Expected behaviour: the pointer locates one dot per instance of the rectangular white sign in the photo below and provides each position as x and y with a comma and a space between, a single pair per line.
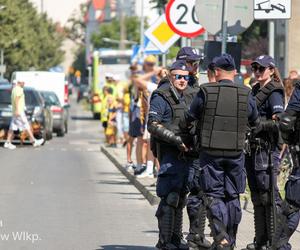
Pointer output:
272, 9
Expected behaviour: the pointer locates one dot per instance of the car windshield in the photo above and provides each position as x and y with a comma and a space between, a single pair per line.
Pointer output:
50, 98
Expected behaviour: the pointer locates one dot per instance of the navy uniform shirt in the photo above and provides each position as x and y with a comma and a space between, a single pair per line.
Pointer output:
273, 105
197, 105
160, 110
294, 103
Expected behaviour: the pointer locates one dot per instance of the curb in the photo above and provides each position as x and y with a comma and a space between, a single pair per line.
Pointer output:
152, 199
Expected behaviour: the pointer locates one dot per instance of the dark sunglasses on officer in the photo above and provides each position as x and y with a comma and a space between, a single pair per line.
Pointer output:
185, 77
259, 68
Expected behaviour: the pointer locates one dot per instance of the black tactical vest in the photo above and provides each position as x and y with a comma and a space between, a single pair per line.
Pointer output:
224, 120
264, 92
178, 106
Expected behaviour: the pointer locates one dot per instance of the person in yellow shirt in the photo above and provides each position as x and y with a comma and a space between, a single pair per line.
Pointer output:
19, 120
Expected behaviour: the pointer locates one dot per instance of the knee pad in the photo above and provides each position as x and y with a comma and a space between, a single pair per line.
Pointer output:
173, 199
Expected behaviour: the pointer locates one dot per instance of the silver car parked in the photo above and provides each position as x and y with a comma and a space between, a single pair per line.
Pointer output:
60, 117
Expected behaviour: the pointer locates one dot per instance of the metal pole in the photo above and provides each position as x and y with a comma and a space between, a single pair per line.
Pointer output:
122, 27
271, 38
224, 26
189, 42
2, 62
183, 41
142, 30
164, 60
42, 6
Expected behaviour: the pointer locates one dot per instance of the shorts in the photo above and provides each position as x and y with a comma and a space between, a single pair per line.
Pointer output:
19, 123
125, 122
135, 128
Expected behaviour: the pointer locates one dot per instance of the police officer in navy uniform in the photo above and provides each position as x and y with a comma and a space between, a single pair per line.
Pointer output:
167, 106
223, 110
288, 219
195, 206
269, 94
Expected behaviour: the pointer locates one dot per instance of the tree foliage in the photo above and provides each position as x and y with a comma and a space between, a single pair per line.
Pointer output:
112, 30
29, 40
76, 31
159, 5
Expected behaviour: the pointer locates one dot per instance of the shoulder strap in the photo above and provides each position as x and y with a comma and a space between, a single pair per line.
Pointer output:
266, 91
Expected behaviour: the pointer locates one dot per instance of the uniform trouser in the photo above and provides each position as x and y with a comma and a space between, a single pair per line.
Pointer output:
259, 176
290, 216
172, 189
195, 202
222, 180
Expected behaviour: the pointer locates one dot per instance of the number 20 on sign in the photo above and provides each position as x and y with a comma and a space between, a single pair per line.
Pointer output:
182, 18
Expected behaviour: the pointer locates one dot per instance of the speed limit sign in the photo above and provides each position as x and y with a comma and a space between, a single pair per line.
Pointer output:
182, 19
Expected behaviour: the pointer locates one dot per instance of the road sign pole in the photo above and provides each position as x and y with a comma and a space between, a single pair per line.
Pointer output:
224, 25
142, 30
2, 62
271, 38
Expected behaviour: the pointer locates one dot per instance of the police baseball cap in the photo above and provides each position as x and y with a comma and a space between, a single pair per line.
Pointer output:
188, 53
265, 61
225, 62
179, 65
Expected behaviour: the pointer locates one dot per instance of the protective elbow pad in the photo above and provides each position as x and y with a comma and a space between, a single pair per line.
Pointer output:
163, 134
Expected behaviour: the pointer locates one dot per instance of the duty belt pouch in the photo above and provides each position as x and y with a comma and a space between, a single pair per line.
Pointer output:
292, 189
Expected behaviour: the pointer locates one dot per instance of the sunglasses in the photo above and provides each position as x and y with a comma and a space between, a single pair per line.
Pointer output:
185, 77
260, 69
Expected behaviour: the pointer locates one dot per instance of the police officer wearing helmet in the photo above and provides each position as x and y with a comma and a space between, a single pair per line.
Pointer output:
167, 106
192, 58
269, 94
289, 124
195, 205
223, 110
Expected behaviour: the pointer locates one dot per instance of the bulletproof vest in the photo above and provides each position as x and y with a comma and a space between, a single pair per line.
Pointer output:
178, 106
264, 92
224, 118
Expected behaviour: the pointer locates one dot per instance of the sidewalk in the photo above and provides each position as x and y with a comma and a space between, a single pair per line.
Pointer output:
146, 187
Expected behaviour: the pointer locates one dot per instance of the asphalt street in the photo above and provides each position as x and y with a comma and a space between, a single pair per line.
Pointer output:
67, 195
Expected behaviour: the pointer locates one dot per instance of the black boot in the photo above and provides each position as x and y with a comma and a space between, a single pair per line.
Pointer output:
177, 237
166, 219
260, 240
196, 238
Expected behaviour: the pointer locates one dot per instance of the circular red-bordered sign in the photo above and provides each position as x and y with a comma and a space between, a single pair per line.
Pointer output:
182, 19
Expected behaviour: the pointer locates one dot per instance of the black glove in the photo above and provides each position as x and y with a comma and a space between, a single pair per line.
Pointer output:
287, 127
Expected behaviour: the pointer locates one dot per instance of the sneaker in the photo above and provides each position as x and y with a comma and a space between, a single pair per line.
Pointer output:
140, 170
9, 145
38, 143
145, 174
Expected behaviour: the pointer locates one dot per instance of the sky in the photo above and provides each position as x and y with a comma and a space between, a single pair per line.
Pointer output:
61, 10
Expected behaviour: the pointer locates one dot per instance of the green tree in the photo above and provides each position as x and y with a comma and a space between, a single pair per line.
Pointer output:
112, 31
29, 40
160, 5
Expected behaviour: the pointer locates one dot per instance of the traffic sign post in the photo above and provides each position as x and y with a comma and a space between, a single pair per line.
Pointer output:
182, 19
